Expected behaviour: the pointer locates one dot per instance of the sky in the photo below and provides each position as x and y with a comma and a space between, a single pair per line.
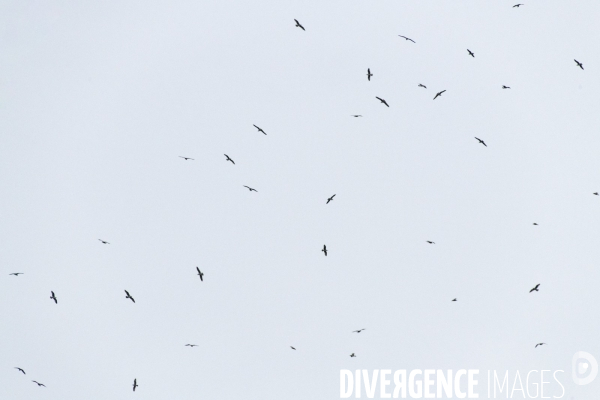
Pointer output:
98, 101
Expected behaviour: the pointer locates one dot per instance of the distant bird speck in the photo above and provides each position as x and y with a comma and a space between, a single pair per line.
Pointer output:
518, 5
540, 344
430, 242
292, 347
192, 345
536, 288
596, 193
438, 94
580, 65
259, 129
103, 241
128, 296
382, 100
186, 158
423, 86
39, 384
407, 38
200, 274
21, 369
356, 115
359, 330
53, 297
471, 53
369, 74
505, 87
324, 250
298, 25
454, 299
481, 141
329, 199
251, 189
352, 355
229, 159
135, 384
535, 223
16, 273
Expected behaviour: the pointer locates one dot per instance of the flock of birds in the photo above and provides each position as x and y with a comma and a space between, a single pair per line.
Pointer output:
324, 249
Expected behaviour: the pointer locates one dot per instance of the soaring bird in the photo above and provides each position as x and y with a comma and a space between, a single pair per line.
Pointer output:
454, 299
200, 274
540, 344
356, 115
481, 141
298, 25
579, 64
369, 74
518, 5
329, 199
21, 369
186, 158
407, 38
438, 94
382, 100
128, 296
251, 189
535, 288
430, 242
292, 347
471, 53
596, 193
17, 273
103, 241
359, 330
324, 250
259, 129
229, 159
423, 86
39, 384
505, 87
53, 297
352, 355
135, 384
192, 345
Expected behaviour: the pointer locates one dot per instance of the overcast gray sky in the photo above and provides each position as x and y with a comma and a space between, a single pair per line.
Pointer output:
98, 100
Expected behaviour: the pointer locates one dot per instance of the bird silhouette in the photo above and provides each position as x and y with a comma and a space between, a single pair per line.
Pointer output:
186, 158
259, 129
430, 242
298, 25
200, 274
423, 86
540, 344
21, 369
16, 273
518, 5
356, 115
407, 38
454, 299
135, 384
471, 53
481, 141
596, 193
359, 330
382, 100
329, 199
128, 296
580, 65
369, 74
438, 94
53, 297
535, 223
352, 355
251, 189
39, 384
103, 241
324, 250
292, 347
229, 159
505, 87
192, 345
536, 288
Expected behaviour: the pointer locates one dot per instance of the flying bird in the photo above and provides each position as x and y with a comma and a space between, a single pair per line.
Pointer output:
329, 199
369, 74
298, 25
454, 299
423, 86
430, 242
356, 115
21, 369
580, 65
259, 129
481, 141
229, 159
128, 296
103, 241
352, 355
535, 288
200, 274
596, 193
471, 53
359, 330
540, 344
251, 189
535, 223
17, 273
292, 347
382, 100
505, 87
324, 250
39, 384
438, 94
518, 5
53, 297
135, 384
192, 345
186, 158
407, 38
